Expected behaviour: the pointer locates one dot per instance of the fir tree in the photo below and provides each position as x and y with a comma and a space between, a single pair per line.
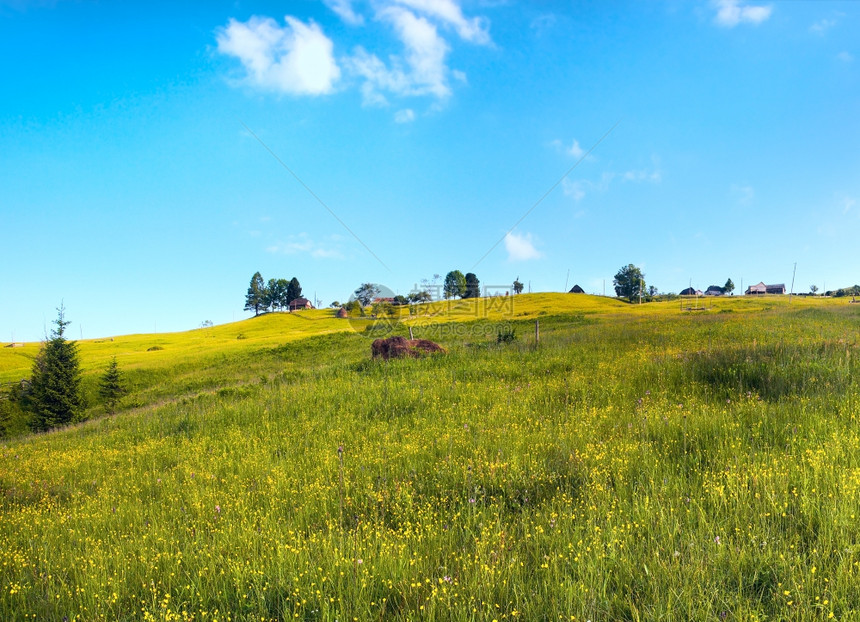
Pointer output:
255, 299
55, 387
112, 386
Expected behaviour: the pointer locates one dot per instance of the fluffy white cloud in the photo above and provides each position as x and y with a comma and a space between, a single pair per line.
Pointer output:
423, 71
521, 247
344, 9
449, 13
425, 51
297, 58
404, 116
730, 13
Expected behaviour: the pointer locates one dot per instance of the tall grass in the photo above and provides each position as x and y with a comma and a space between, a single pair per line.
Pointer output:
633, 466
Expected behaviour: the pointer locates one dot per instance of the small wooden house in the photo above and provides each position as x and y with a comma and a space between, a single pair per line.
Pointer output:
342, 313
691, 292
300, 303
714, 290
576, 289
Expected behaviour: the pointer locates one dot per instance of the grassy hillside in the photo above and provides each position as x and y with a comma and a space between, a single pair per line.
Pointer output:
641, 463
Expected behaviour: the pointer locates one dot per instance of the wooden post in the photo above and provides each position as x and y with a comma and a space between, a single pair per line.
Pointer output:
537, 332
410, 334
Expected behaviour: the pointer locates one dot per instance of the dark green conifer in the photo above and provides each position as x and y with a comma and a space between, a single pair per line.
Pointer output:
112, 386
55, 387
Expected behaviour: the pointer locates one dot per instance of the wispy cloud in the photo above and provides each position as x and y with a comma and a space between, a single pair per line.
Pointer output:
730, 13
574, 150
822, 26
296, 59
521, 247
302, 244
423, 71
580, 188
475, 29
845, 57
404, 116
345, 11
652, 175
742, 193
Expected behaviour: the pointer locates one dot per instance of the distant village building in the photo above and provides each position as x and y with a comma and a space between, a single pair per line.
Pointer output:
691, 292
576, 289
300, 303
714, 290
760, 289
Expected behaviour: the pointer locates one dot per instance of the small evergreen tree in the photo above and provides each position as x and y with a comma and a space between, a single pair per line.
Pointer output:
112, 386
55, 387
473, 286
518, 287
294, 290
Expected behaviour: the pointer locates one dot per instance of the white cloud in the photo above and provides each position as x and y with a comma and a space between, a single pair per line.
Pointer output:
296, 59
303, 244
424, 70
425, 51
575, 150
845, 57
404, 116
822, 26
575, 189
653, 175
848, 204
345, 11
449, 13
579, 188
730, 13
521, 247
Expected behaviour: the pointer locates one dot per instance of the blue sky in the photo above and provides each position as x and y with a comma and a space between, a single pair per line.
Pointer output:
132, 190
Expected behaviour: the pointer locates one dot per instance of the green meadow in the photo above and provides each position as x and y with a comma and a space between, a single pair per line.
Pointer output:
641, 462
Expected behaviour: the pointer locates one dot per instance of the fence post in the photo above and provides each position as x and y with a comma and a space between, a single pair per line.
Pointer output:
410, 334
537, 332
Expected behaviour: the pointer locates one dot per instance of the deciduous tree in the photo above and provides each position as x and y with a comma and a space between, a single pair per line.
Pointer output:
366, 292
455, 284
629, 282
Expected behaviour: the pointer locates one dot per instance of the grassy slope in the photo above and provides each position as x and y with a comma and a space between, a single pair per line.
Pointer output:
643, 463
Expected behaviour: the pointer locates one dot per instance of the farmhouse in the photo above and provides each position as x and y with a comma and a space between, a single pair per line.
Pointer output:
300, 303
714, 290
761, 288
691, 292
576, 289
